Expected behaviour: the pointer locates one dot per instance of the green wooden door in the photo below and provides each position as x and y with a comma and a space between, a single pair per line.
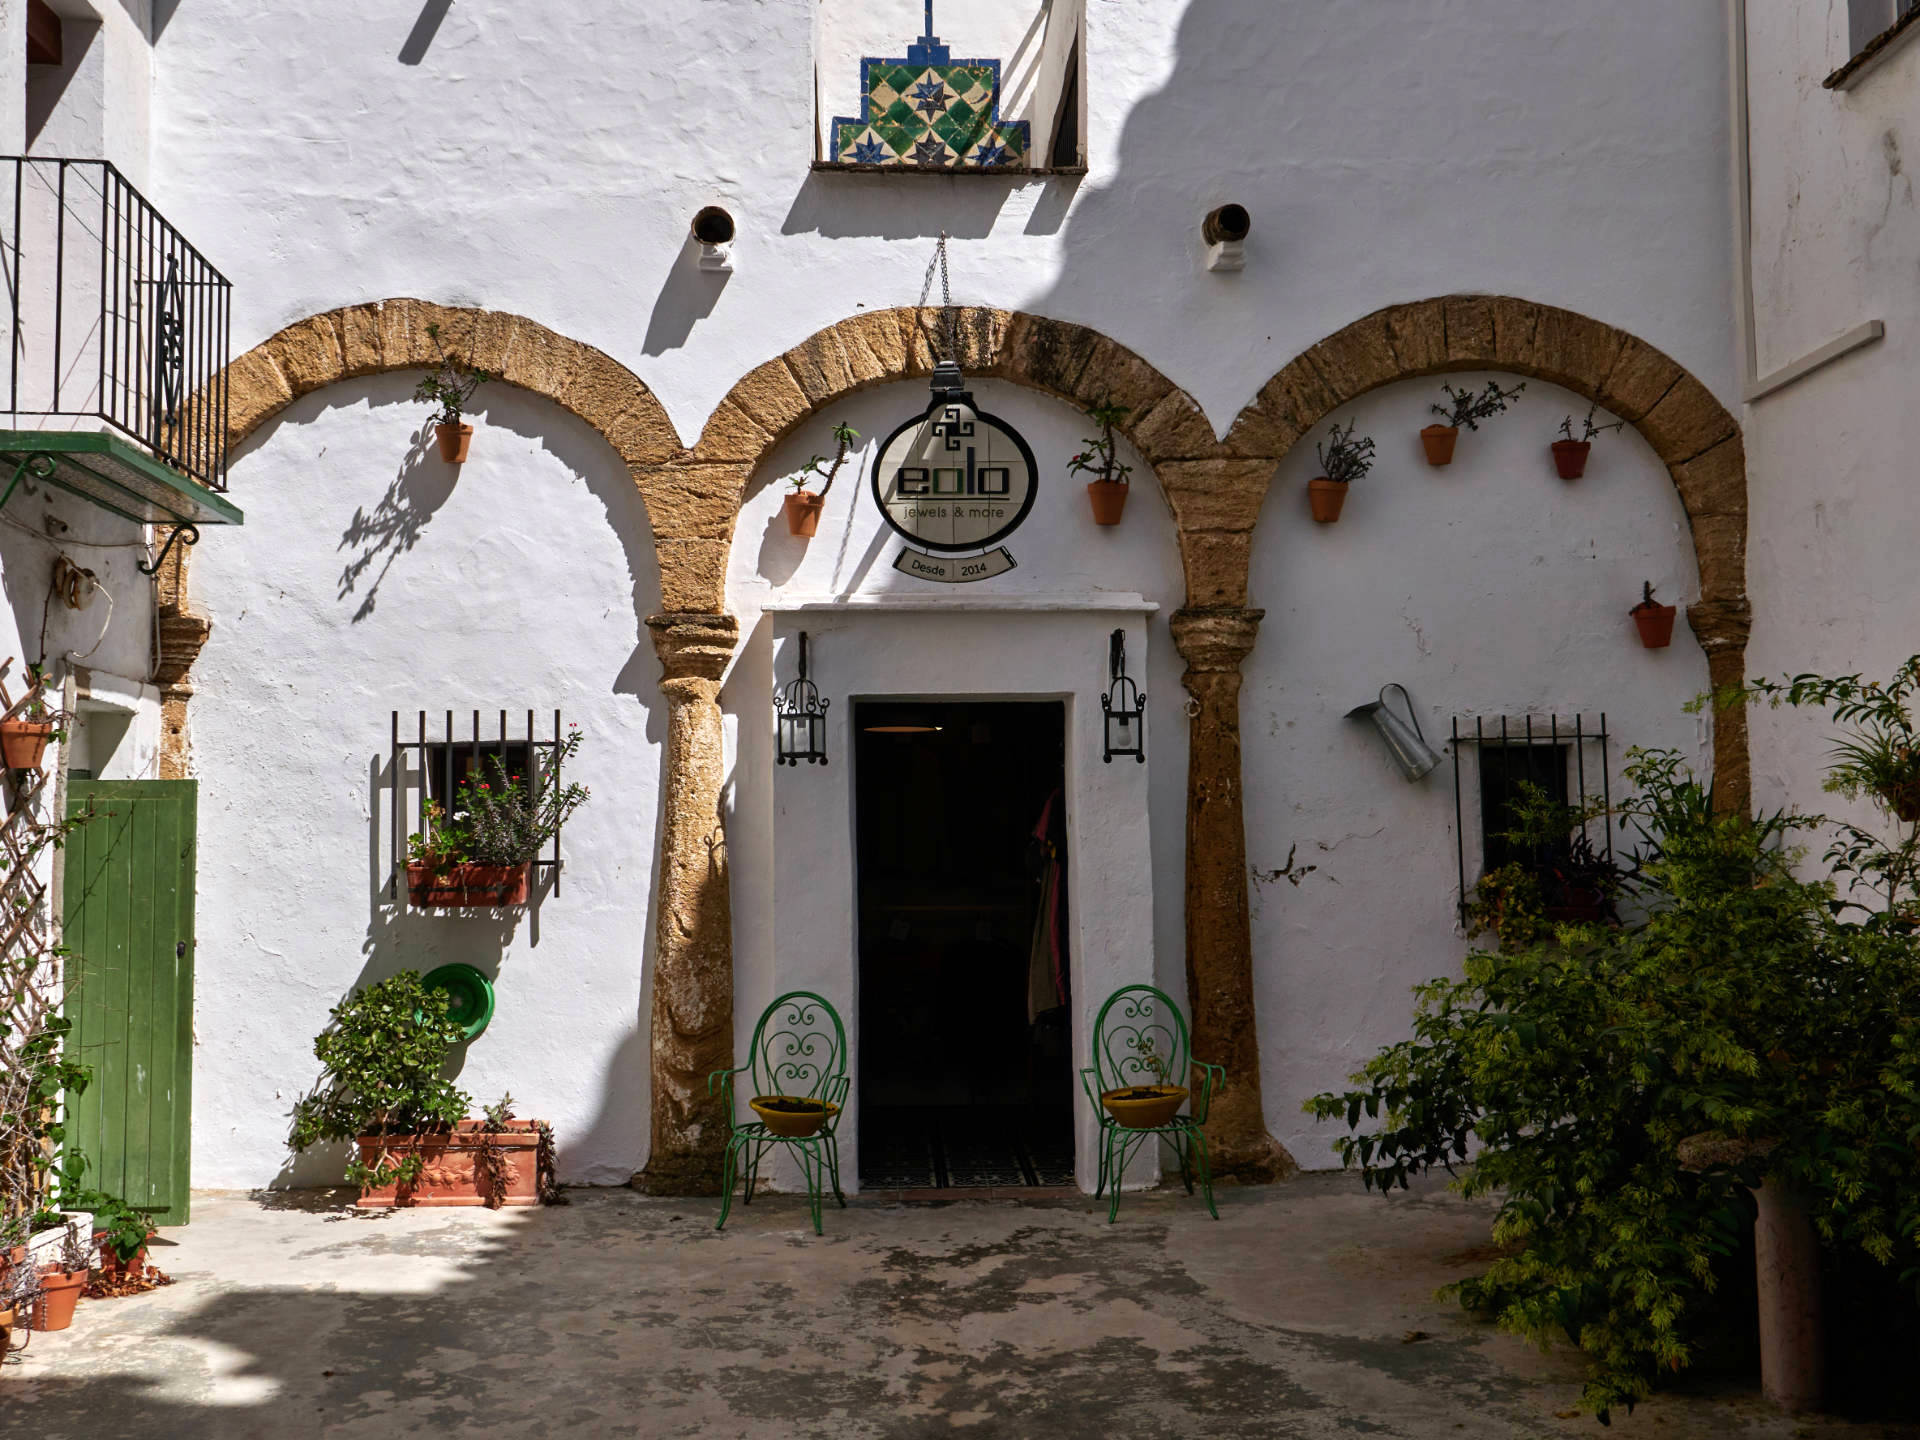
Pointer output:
128, 909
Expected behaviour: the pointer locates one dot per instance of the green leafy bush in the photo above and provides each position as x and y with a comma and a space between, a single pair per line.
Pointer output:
383, 1055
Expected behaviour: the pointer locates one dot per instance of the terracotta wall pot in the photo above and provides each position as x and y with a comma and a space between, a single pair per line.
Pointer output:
1903, 800
59, 1293
1326, 497
803, 512
468, 886
453, 441
1656, 624
23, 742
452, 1170
1439, 441
1109, 499
1570, 457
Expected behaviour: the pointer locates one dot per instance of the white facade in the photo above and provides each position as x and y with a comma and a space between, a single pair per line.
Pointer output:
492, 157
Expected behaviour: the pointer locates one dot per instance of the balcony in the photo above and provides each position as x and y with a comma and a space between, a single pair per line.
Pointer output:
115, 323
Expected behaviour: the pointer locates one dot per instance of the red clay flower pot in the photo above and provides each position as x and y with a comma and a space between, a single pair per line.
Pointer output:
111, 1267
1326, 497
1439, 441
1655, 623
803, 512
467, 886
23, 742
1109, 499
59, 1293
1570, 457
453, 440
453, 1171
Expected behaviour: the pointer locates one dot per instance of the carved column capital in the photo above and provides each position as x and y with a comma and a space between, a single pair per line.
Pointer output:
1215, 639
693, 646
1721, 624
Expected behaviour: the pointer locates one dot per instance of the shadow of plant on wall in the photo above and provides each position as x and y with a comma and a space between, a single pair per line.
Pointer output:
423, 484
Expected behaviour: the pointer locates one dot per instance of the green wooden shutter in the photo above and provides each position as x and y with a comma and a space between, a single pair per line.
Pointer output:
128, 903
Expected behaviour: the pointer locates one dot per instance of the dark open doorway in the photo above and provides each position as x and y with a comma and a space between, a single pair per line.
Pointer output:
966, 1077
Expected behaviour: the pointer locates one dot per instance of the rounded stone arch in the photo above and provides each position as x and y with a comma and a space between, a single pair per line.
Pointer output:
1068, 361
1694, 435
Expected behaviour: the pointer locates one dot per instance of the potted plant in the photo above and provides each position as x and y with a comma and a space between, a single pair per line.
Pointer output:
792, 1116
383, 1089
61, 1281
449, 387
481, 854
1342, 461
24, 734
1878, 754
120, 1235
1570, 455
1145, 1107
1654, 621
803, 505
1108, 488
1468, 408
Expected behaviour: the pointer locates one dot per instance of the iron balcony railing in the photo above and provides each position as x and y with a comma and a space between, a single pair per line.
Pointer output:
111, 314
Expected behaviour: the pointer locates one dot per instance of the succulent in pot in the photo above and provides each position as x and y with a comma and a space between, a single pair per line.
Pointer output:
1468, 408
792, 1116
1343, 460
804, 506
481, 853
1570, 454
1146, 1106
1107, 491
449, 387
1653, 620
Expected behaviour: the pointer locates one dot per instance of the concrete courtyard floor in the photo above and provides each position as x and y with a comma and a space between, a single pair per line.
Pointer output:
1307, 1311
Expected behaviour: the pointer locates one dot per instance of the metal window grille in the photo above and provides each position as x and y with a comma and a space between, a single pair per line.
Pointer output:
1515, 744
425, 769
112, 314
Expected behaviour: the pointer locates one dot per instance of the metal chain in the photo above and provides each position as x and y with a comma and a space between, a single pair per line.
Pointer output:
949, 320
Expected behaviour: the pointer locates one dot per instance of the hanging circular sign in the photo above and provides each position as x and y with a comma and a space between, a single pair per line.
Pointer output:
955, 478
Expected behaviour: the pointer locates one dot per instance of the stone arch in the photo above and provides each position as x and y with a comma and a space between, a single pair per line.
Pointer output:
1694, 435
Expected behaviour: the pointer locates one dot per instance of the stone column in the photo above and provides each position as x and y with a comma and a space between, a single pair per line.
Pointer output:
693, 931
1214, 642
1793, 1359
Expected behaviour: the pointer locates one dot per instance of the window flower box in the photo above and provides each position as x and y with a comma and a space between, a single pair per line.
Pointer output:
452, 887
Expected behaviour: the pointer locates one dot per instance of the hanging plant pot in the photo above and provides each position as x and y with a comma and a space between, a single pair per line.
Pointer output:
1655, 623
454, 440
1326, 497
1904, 800
803, 512
1143, 1107
23, 742
59, 1293
792, 1116
1570, 457
457, 1166
467, 886
1438, 441
1109, 499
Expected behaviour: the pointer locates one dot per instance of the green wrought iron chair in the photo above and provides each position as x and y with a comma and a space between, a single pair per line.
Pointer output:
1139, 1039
799, 1050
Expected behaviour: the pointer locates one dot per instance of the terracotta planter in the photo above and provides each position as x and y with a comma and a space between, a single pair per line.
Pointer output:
468, 886
1570, 457
793, 1124
111, 1267
59, 1293
1904, 800
1144, 1107
803, 512
23, 742
1109, 499
1655, 623
1438, 441
453, 1171
453, 441
1326, 497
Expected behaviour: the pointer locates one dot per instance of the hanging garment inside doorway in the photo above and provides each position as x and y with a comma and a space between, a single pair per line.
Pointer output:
1047, 959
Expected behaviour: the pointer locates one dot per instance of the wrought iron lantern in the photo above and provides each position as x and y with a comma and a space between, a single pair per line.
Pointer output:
1124, 706
1408, 747
800, 719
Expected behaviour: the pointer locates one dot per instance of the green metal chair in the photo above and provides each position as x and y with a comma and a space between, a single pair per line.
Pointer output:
1140, 1038
800, 1050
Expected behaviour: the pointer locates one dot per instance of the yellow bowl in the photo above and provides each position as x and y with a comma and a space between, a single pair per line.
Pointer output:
1144, 1114
793, 1124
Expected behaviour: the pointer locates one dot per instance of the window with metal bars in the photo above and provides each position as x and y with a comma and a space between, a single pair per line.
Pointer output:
1566, 759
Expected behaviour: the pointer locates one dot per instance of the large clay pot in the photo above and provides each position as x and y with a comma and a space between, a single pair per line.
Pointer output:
453, 1171
1144, 1107
59, 1293
468, 886
792, 1124
1570, 457
1655, 623
23, 742
1325, 497
803, 512
1109, 499
1438, 441
453, 441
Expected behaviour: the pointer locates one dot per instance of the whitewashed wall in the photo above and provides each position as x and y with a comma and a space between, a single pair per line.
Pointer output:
1830, 459
371, 578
